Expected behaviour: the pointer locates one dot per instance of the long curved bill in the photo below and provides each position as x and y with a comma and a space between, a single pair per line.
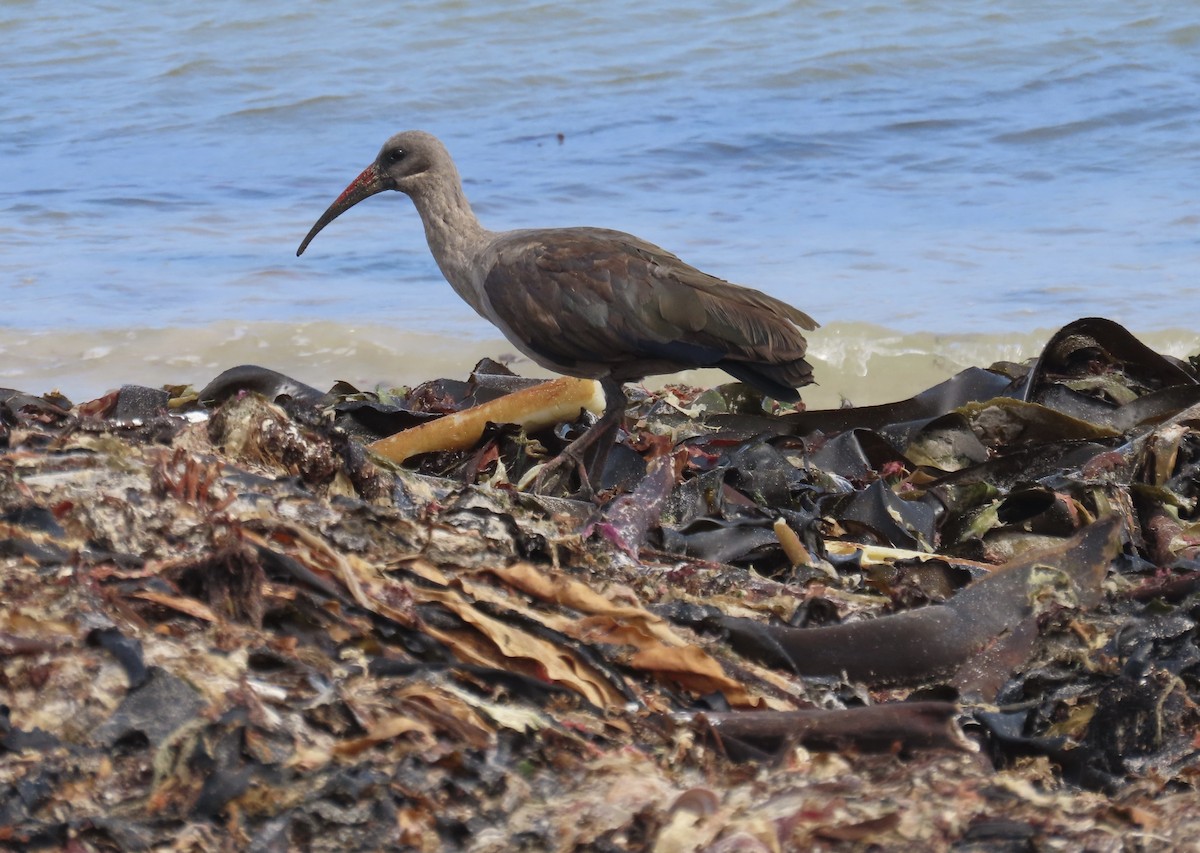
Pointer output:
364, 186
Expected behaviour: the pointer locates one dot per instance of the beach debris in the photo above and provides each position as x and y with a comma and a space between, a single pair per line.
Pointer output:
533, 409
965, 619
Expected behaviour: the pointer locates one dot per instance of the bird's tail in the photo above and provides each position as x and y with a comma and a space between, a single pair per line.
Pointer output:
775, 380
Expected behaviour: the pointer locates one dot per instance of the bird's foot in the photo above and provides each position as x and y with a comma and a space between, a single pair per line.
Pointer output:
557, 476
586, 456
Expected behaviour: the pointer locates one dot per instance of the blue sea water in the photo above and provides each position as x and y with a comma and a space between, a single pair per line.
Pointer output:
926, 167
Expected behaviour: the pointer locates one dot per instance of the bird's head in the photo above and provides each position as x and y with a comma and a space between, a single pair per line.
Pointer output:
409, 162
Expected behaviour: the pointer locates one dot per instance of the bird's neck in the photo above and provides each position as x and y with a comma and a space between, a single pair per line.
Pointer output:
456, 239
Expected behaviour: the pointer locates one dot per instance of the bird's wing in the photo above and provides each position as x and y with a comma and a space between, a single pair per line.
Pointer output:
591, 296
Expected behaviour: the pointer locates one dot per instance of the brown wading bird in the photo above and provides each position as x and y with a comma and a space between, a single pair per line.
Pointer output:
588, 302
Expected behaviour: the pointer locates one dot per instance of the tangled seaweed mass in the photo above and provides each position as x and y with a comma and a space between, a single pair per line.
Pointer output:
968, 619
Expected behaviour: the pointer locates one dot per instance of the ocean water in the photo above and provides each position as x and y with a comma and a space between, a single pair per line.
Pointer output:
937, 183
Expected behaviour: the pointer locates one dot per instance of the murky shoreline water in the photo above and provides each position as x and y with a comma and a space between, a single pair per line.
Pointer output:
943, 168
858, 362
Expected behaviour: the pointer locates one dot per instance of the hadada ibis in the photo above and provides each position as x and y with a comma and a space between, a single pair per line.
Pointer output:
588, 302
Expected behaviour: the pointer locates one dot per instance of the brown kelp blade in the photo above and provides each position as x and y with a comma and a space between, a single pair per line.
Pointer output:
919, 646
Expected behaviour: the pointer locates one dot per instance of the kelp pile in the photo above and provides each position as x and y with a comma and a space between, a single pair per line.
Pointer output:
966, 620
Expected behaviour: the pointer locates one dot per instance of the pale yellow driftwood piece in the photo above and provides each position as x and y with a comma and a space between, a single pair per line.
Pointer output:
533, 408
879, 554
793, 548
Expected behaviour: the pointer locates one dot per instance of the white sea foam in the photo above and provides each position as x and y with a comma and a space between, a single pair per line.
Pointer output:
859, 362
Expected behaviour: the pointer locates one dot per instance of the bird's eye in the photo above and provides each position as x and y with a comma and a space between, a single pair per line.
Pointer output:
396, 155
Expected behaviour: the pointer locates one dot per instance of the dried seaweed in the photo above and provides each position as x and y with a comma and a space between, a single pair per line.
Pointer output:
967, 619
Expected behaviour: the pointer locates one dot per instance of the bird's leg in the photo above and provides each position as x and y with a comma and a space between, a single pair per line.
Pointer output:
588, 454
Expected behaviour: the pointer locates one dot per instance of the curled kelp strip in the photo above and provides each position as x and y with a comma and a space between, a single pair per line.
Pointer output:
261, 380
1100, 360
933, 642
876, 728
